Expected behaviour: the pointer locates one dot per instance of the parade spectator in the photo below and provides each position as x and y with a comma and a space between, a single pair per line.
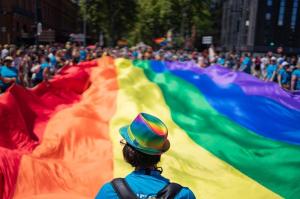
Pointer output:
284, 77
82, 54
295, 83
264, 63
246, 64
221, 60
4, 51
230, 61
143, 147
18, 59
52, 58
271, 70
293, 62
256, 70
26, 73
42, 71
281, 58
27, 60
203, 59
8, 74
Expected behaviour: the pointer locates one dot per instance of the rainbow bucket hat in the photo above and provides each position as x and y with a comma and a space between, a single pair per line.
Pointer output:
147, 134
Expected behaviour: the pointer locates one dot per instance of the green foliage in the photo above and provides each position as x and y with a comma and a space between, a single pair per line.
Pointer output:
115, 18
144, 20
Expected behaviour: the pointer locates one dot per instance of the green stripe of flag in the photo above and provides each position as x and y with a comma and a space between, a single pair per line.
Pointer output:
271, 163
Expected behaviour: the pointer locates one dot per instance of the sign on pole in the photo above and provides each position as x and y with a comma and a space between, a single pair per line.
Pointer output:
207, 40
47, 36
78, 37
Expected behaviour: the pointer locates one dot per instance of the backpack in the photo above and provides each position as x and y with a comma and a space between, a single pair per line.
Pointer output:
123, 190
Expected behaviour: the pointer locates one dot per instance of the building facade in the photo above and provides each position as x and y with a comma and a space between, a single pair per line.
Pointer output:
261, 25
16, 20
19, 19
216, 15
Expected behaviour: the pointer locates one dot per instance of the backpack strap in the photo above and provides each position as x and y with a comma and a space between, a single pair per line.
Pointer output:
169, 191
122, 189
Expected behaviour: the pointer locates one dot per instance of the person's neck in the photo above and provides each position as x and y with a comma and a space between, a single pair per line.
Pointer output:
145, 168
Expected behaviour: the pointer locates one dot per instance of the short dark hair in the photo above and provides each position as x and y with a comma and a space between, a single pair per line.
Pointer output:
139, 159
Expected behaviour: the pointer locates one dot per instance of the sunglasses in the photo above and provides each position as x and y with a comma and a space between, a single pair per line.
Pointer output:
123, 142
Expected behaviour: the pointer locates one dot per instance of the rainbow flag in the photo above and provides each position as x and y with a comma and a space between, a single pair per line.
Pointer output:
162, 41
232, 135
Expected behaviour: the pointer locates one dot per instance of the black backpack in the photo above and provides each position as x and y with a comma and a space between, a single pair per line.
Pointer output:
124, 191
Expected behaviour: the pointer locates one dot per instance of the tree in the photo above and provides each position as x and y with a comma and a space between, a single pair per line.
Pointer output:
144, 20
184, 17
112, 17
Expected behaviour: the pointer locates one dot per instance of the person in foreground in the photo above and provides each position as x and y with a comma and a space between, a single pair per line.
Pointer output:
145, 140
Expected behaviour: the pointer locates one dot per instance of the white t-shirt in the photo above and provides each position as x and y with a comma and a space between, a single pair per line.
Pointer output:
264, 62
4, 53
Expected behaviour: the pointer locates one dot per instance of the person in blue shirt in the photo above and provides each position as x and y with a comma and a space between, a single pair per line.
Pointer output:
284, 77
295, 83
145, 139
271, 70
246, 64
221, 60
42, 71
52, 57
8, 74
82, 54
135, 54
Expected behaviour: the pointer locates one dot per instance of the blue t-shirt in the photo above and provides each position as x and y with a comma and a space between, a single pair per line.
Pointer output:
297, 74
53, 60
271, 68
246, 65
221, 61
9, 72
82, 54
285, 76
1, 82
135, 54
145, 186
39, 75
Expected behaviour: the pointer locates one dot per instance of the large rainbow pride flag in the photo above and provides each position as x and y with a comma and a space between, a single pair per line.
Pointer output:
232, 135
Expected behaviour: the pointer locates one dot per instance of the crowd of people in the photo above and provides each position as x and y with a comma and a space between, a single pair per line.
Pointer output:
285, 70
31, 65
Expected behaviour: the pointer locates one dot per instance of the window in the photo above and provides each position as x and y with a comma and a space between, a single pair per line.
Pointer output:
268, 16
269, 2
294, 14
281, 13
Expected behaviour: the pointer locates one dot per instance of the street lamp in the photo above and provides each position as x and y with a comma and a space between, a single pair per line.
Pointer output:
36, 22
